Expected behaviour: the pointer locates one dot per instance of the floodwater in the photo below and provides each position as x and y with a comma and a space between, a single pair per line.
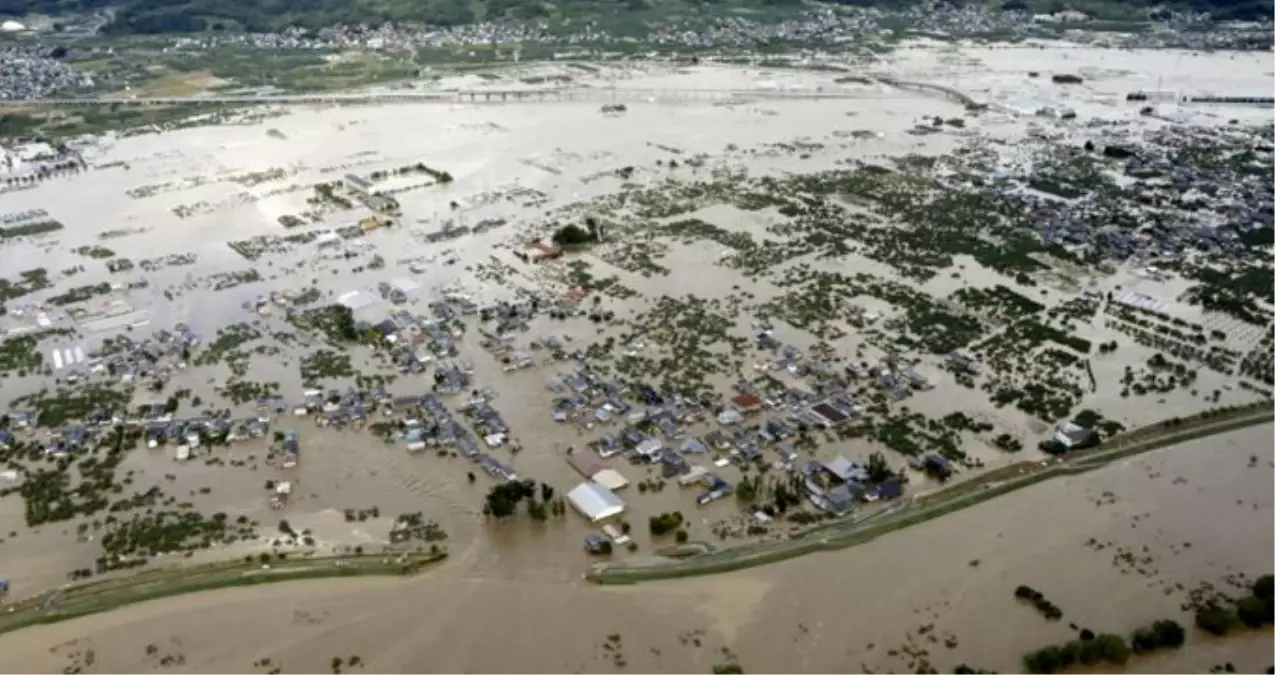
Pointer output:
941, 591
519, 582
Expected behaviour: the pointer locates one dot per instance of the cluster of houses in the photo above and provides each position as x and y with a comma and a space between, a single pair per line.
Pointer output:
158, 428
421, 340
837, 485
653, 430
648, 428
418, 340
511, 321
332, 408
486, 420
897, 380
426, 422
155, 358
64, 441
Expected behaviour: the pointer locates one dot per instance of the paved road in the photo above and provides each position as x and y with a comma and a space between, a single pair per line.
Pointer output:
583, 94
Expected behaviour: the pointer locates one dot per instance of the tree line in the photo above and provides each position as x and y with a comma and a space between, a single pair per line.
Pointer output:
1218, 616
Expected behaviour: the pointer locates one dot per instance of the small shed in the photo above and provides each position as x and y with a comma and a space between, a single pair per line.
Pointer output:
595, 502
610, 479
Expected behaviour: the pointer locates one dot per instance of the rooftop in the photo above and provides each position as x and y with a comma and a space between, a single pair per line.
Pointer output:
595, 501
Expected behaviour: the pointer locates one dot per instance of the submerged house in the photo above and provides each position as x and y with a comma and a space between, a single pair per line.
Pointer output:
937, 466
291, 449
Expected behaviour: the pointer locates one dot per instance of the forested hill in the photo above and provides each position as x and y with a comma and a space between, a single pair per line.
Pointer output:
170, 16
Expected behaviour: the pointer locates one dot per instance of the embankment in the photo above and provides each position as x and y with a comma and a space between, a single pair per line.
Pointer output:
102, 596
843, 534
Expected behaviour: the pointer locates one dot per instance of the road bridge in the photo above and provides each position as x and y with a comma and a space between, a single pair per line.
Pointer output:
495, 96
458, 96
948, 92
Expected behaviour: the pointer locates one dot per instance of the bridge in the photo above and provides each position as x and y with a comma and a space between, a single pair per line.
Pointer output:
947, 92
1175, 97
458, 96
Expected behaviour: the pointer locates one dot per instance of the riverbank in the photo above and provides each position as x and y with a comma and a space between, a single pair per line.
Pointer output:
927, 507
103, 596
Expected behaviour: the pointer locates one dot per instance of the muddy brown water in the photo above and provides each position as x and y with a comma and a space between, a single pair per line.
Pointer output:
511, 602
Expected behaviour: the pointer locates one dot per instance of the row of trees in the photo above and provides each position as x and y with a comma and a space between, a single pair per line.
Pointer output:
1091, 649
1088, 650
1039, 601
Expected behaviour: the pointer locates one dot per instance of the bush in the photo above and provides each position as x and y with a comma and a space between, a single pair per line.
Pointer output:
1214, 619
1253, 612
1163, 634
573, 235
1264, 587
1046, 660
665, 523
1111, 648
683, 536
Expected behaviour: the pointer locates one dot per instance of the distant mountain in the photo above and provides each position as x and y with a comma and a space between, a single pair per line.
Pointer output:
184, 16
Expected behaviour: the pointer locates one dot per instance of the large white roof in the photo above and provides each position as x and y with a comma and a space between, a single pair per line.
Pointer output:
595, 502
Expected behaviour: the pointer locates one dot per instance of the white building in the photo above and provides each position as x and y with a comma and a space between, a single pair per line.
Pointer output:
595, 502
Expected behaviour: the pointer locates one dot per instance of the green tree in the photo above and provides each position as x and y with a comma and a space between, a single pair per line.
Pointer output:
878, 469
1045, 660
503, 499
573, 235
1264, 587
1214, 619
665, 523
1111, 648
1169, 634
1253, 611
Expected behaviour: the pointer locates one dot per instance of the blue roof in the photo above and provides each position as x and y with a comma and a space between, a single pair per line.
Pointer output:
890, 489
